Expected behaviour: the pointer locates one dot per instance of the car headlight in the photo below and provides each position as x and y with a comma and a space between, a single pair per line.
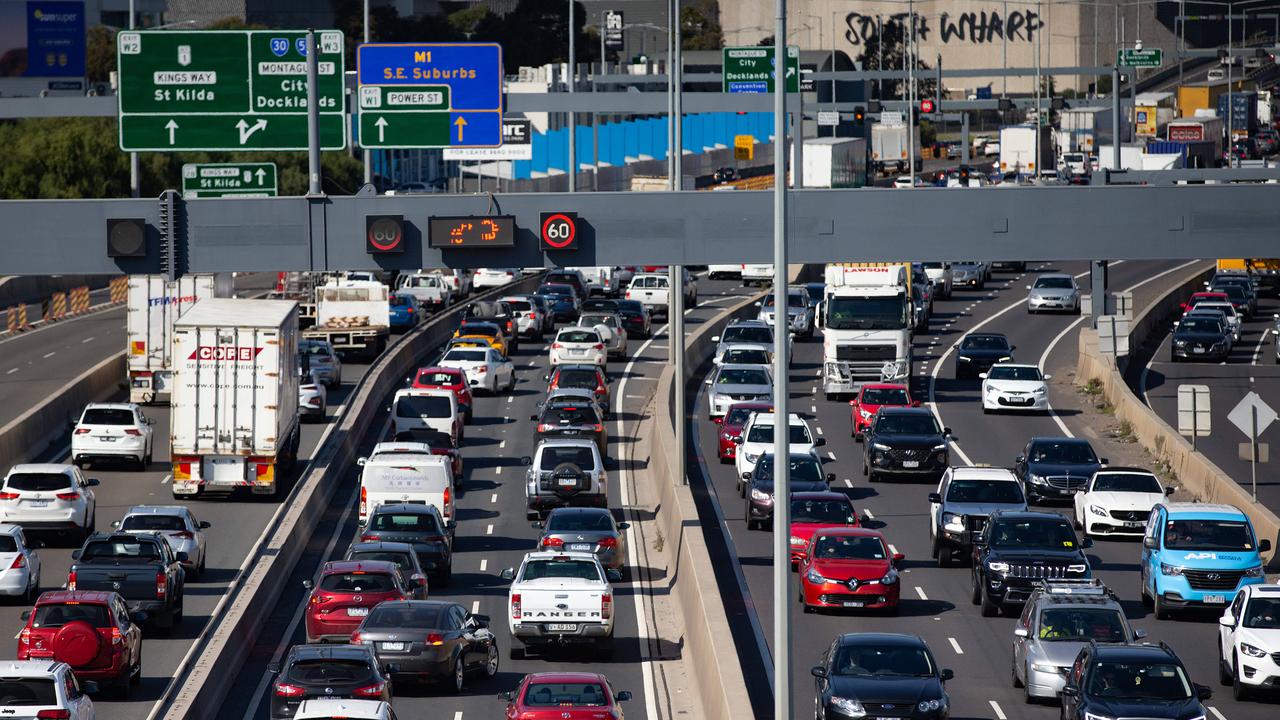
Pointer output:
1040, 390
951, 521
1045, 667
1252, 651
939, 447
1254, 572
848, 706
962, 358
1093, 716
813, 577
798, 541
759, 495
1166, 569
890, 577
931, 705
749, 457
1180, 343
865, 415
1097, 510
999, 567
1037, 479
1078, 568
881, 447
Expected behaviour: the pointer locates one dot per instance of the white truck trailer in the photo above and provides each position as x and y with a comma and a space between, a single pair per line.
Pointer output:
153, 304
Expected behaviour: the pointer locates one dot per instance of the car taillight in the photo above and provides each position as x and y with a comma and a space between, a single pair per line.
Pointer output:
368, 538
364, 503
264, 470
8, 496
133, 432
161, 586
185, 535
552, 542
628, 294
608, 542
556, 346
71, 580
371, 691
67, 496
54, 714
24, 637
356, 638
287, 690
545, 427
448, 504
601, 389
19, 562
116, 637
482, 369
606, 606
598, 346
597, 428
515, 606
435, 639
409, 309
82, 431
531, 316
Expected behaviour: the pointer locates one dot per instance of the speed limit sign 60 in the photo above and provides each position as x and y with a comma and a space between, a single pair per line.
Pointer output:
559, 231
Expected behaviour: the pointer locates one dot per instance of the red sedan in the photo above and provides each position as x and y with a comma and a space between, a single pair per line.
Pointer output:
347, 590
565, 696
871, 398
815, 511
447, 379
1204, 296
849, 568
735, 418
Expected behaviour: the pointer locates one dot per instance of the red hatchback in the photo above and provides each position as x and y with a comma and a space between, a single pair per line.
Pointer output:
814, 511
347, 590
871, 398
565, 696
849, 568
443, 378
89, 630
731, 424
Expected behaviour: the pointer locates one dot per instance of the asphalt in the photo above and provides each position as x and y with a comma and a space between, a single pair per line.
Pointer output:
492, 535
935, 602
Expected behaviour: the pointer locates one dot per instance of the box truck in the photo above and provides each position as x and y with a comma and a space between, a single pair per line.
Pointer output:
835, 162
234, 417
1242, 114
1018, 149
1203, 128
1083, 130
153, 304
889, 147
866, 317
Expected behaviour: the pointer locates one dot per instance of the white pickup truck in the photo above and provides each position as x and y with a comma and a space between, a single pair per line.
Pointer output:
430, 290
653, 291
560, 598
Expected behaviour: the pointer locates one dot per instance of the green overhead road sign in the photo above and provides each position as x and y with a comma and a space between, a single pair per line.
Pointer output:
750, 69
1148, 58
206, 180
226, 90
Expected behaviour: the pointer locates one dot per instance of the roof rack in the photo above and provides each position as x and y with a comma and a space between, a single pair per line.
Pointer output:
1081, 587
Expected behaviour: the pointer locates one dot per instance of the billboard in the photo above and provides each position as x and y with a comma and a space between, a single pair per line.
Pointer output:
42, 46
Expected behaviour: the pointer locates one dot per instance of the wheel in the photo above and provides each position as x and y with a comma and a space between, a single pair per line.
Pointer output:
989, 608
864, 466
491, 661
459, 676
751, 524
873, 476
135, 678
975, 589
1142, 593
1161, 607
1075, 520
1013, 675
1225, 676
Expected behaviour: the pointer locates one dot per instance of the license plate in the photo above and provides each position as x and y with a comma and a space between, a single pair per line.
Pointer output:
853, 603
37, 503
582, 546
1215, 599
910, 463
107, 438
577, 352
357, 612
1129, 524
568, 482
1197, 350
562, 627
394, 646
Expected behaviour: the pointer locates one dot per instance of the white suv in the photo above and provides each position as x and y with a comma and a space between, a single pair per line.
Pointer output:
43, 688
116, 431
1117, 501
757, 439
1249, 640
19, 567
48, 496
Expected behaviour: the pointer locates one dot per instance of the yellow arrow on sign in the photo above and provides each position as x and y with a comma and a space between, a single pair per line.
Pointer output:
460, 123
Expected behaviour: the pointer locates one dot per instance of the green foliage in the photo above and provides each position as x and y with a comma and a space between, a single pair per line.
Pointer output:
700, 26
464, 22
100, 53
928, 133
887, 50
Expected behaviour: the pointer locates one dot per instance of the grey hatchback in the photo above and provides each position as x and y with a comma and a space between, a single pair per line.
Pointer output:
586, 530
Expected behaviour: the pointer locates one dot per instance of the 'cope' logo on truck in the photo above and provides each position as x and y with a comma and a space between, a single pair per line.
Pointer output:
225, 352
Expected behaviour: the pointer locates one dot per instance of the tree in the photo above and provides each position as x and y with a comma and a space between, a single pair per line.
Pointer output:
889, 46
99, 53
700, 26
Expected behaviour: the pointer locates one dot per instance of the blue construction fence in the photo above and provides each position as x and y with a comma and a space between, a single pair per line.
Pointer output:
644, 137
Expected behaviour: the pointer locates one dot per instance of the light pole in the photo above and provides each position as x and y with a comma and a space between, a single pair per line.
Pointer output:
573, 120
782, 709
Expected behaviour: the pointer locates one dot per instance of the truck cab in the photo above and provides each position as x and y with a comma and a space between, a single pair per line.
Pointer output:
1198, 555
866, 316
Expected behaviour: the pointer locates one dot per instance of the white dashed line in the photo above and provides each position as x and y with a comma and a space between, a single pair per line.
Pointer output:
819, 429
484, 565
955, 646
50, 354
920, 592
497, 470
892, 550
14, 370
475, 606
848, 482
489, 529
1216, 714
831, 455
457, 715
995, 707
866, 512
502, 444
494, 498
166, 478
511, 399
813, 408
86, 340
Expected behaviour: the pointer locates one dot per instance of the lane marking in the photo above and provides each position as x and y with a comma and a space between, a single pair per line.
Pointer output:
484, 564
475, 606
995, 707
1258, 351
1216, 714
955, 646
494, 498
511, 399
1044, 359
502, 444
831, 455
497, 470
489, 529
866, 512
819, 429
14, 370
920, 592
50, 354
457, 715
87, 340
166, 478
848, 482
893, 550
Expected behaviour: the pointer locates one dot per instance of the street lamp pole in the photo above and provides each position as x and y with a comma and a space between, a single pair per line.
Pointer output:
573, 120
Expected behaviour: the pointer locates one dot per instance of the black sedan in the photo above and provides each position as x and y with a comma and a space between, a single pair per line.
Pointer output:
806, 476
582, 529
1056, 467
572, 420
1200, 338
634, 318
420, 526
326, 671
430, 640
977, 352
880, 674
905, 441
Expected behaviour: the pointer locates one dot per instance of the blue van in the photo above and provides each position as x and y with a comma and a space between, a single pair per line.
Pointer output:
1197, 555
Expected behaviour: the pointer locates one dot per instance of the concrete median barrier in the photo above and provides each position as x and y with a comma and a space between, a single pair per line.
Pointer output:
201, 684
1192, 471
30, 434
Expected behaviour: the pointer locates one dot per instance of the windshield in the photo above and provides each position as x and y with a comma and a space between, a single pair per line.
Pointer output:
400, 301
405, 615
738, 416
358, 582
565, 695
984, 342
794, 300
330, 671
420, 406
459, 355
1054, 283
742, 376
51, 616
314, 348
1081, 624
29, 691
1225, 308
1235, 292
804, 468
747, 334
8, 544
764, 434
441, 378
1208, 535
1127, 482
38, 482
578, 336
146, 523
593, 320
867, 313
107, 416
1263, 613
913, 424
520, 305
835, 512
1014, 372
746, 356
1200, 325
1041, 533
885, 396
571, 569
984, 491
1139, 681
481, 329
840, 547
404, 522
580, 522
1062, 452
882, 660
553, 456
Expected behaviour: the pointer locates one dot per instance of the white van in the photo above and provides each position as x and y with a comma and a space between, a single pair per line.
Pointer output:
416, 409
406, 472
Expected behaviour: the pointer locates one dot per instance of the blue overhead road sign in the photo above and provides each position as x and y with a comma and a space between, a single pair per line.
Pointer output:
417, 95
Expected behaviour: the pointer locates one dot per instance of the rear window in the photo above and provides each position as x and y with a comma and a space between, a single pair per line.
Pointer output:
434, 406
330, 671
38, 482
400, 559
580, 522
400, 616
520, 305
438, 378
125, 550
28, 691
578, 336
8, 544
52, 616
485, 330
107, 416
571, 415
577, 379
399, 301
358, 582
580, 456
565, 695
463, 356
153, 522
575, 569
404, 522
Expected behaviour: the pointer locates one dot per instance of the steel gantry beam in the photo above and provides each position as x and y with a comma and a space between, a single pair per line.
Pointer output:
685, 228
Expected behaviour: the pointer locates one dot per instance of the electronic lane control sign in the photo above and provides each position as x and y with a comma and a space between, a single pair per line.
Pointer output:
471, 231
430, 95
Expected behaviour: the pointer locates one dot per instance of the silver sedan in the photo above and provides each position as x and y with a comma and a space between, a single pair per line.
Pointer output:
734, 383
177, 525
1054, 291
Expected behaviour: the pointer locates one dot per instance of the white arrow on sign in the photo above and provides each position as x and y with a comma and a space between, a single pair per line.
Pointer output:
171, 126
261, 175
1242, 415
381, 124
247, 130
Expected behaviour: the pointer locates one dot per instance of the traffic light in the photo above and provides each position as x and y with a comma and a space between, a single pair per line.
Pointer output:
126, 237
1005, 105
926, 106
859, 117
383, 234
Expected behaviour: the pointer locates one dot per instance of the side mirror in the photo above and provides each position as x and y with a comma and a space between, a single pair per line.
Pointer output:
89, 687
1168, 490
947, 674
115, 524
1012, 348
715, 338
508, 696
1021, 632
746, 476
935, 498
140, 617
738, 440
708, 381
818, 671
1264, 545
831, 477
273, 668
1048, 377
182, 556
308, 584
362, 461
526, 460
1028, 287
898, 557
1104, 461
1139, 633
204, 524
508, 574
946, 431
623, 696
537, 524
1086, 543
718, 420
482, 620
92, 482
1070, 690
915, 403
1020, 459
982, 376
1149, 543
1227, 620
75, 554
613, 575
26, 615
533, 417
624, 525
819, 442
